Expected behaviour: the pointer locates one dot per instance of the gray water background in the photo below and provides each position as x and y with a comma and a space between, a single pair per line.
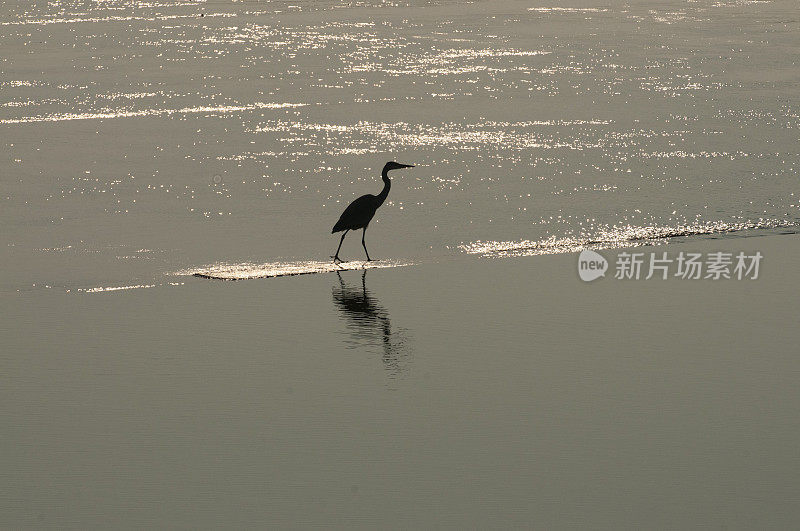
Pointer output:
143, 138
480, 387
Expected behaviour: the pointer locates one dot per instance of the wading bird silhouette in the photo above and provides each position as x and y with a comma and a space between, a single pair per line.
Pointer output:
362, 210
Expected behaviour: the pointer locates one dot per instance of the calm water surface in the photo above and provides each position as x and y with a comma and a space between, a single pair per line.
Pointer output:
142, 138
479, 386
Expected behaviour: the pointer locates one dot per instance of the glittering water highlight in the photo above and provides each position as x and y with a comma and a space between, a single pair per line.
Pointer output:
618, 237
237, 133
283, 269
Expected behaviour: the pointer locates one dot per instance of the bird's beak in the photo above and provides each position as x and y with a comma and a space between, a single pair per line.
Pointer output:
406, 165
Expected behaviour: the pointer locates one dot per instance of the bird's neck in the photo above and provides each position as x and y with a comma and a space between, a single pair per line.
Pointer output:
386, 185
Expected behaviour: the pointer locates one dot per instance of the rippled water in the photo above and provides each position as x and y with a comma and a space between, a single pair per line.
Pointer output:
145, 138
280, 269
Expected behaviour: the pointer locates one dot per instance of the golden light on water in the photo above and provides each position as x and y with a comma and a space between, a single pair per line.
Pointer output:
244, 271
613, 238
203, 109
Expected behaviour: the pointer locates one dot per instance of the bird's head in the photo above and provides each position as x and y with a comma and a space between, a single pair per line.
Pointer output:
395, 166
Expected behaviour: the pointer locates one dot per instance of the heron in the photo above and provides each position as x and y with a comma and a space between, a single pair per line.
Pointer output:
361, 211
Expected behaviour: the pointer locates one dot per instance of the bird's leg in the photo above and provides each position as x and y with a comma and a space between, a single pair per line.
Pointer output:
365, 245
335, 257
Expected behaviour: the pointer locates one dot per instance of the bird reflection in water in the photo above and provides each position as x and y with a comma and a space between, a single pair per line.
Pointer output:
368, 324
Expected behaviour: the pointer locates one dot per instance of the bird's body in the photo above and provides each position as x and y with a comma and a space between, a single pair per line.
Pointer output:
358, 214
361, 211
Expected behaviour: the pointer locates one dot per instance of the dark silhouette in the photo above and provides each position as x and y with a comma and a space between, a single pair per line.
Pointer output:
368, 322
362, 210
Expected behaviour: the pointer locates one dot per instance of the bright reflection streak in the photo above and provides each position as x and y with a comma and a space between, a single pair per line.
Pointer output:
225, 271
150, 112
613, 238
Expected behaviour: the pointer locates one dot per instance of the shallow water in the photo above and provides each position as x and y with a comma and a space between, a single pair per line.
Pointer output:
489, 393
143, 138
477, 385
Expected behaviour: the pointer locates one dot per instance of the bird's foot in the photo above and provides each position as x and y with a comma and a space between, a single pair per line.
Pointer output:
336, 260
373, 259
